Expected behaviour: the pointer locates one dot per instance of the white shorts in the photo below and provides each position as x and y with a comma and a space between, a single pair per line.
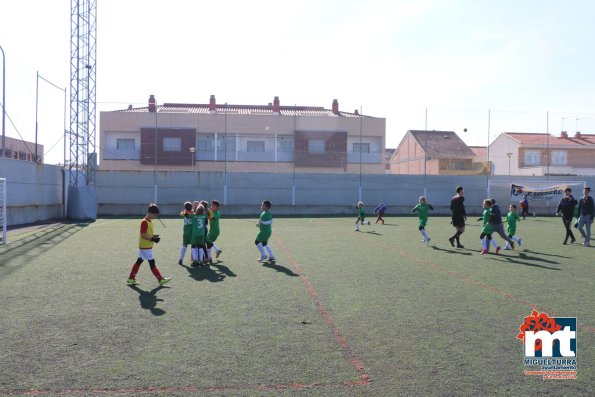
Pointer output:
146, 254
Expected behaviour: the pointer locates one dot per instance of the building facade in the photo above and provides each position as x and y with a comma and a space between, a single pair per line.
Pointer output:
22, 150
433, 153
255, 138
539, 154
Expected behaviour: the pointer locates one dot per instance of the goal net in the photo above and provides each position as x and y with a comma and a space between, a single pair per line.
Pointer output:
542, 196
3, 219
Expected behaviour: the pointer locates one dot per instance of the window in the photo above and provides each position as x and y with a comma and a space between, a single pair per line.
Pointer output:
531, 157
172, 144
361, 148
205, 143
316, 146
285, 144
559, 157
125, 144
255, 146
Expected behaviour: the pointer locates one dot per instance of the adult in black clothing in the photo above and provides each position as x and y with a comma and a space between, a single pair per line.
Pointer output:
566, 209
458, 216
586, 210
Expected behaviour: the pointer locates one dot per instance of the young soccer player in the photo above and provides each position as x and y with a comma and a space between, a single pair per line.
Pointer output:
205, 204
265, 226
487, 229
213, 230
422, 209
512, 218
146, 239
187, 230
361, 215
198, 235
380, 211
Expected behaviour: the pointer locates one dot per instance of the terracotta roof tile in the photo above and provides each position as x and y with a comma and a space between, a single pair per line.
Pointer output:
442, 144
548, 139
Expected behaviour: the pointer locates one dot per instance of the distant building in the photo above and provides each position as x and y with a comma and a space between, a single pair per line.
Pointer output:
516, 153
21, 150
432, 153
257, 138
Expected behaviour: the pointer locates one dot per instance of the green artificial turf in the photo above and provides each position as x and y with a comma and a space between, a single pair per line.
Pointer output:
341, 313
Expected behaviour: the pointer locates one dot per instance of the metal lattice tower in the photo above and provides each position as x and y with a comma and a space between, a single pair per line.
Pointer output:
83, 53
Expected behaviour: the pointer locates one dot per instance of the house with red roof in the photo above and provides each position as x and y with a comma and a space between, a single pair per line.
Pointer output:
434, 153
537, 154
218, 137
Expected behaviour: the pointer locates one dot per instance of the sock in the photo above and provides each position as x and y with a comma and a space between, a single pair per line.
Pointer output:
356, 226
182, 252
194, 254
484, 244
506, 246
216, 248
457, 238
425, 234
200, 255
515, 238
156, 273
495, 243
208, 252
268, 249
134, 270
261, 249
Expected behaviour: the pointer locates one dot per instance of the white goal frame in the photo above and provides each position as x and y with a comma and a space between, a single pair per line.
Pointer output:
3, 208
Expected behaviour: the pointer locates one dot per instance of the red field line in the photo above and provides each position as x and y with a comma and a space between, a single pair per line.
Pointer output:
355, 363
480, 284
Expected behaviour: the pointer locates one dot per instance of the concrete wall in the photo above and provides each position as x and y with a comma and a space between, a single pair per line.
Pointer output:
34, 191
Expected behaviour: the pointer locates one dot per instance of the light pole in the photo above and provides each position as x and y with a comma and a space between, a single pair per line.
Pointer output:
576, 124
192, 150
3, 102
509, 156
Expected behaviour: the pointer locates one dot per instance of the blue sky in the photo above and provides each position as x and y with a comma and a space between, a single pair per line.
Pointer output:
529, 63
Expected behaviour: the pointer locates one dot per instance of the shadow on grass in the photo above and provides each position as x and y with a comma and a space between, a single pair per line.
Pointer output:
200, 273
148, 299
280, 268
29, 248
511, 260
452, 250
543, 253
373, 232
223, 269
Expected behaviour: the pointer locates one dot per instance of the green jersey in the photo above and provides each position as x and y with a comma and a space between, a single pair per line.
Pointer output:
198, 228
265, 230
361, 212
422, 211
488, 228
214, 226
511, 218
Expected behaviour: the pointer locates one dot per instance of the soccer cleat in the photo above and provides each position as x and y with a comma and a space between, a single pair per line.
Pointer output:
180, 262
272, 259
164, 280
368, 223
452, 241
506, 248
483, 252
497, 249
194, 264
262, 258
132, 281
572, 241
520, 241
218, 253
428, 241
460, 246
586, 244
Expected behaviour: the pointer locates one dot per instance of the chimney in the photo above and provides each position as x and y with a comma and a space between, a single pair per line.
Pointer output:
356, 112
335, 106
212, 104
564, 134
129, 107
578, 135
152, 104
276, 107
